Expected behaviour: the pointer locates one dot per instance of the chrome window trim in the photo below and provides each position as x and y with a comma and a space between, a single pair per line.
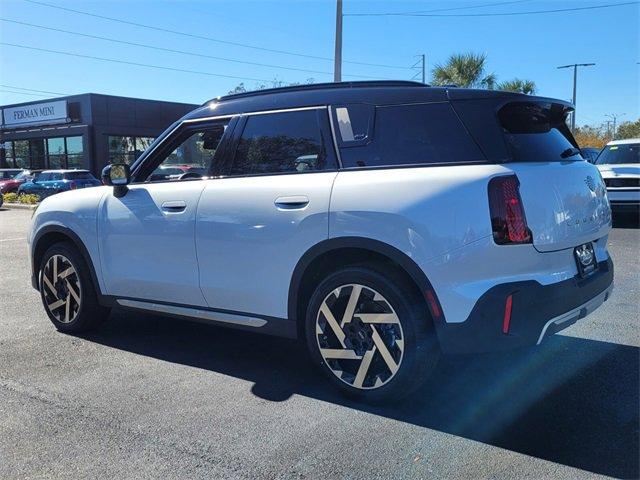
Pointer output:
334, 138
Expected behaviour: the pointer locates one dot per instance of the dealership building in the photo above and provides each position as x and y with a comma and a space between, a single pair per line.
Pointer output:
82, 131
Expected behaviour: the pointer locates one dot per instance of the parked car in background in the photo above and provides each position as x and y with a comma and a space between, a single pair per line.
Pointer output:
619, 165
590, 153
50, 182
9, 173
11, 185
381, 222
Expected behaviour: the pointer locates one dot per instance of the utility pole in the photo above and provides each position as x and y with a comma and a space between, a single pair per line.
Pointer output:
575, 82
421, 66
337, 67
614, 118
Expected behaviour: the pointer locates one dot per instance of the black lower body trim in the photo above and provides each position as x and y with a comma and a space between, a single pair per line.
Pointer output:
280, 327
533, 305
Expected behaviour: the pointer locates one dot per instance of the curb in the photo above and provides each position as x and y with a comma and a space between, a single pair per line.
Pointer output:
19, 206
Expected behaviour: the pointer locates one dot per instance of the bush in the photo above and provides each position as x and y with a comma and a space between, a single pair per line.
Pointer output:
27, 199
10, 197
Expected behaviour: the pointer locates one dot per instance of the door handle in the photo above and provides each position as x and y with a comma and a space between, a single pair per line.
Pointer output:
175, 206
294, 202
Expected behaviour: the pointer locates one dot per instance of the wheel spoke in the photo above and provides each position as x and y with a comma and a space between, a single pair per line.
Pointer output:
384, 351
378, 317
66, 273
49, 285
331, 320
73, 293
364, 368
340, 353
67, 307
56, 304
351, 306
55, 267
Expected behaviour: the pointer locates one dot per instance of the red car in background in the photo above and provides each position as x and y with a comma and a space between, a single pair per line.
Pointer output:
10, 185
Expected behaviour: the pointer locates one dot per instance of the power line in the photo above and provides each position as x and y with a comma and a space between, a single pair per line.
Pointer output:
113, 60
171, 50
203, 37
467, 7
499, 14
32, 90
24, 93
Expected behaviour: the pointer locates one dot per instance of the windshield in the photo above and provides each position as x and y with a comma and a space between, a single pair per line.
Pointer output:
7, 174
616, 154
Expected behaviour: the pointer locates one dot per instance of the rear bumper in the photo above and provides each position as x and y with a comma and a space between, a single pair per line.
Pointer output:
537, 312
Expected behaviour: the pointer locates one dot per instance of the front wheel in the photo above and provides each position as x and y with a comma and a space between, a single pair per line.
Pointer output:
372, 338
67, 291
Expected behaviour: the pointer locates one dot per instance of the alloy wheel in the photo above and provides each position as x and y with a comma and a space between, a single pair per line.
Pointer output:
359, 336
61, 288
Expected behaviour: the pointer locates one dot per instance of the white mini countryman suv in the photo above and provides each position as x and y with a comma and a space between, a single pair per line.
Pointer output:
383, 223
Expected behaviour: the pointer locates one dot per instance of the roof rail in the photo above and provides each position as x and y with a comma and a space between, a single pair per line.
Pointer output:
321, 86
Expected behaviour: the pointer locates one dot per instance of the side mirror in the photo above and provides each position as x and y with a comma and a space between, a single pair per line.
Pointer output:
119, 176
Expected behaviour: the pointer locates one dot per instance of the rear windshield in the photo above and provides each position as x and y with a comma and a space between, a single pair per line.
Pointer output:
78, 176
624, 153
537, 132
404, 135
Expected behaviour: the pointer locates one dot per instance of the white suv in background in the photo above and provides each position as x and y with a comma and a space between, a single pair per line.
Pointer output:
381, 222
619, 165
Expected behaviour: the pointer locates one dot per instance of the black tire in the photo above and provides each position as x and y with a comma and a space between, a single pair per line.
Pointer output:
82, 316
1, 199
379, 292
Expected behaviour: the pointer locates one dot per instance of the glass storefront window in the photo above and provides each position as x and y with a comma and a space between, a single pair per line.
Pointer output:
50, 153
7, 148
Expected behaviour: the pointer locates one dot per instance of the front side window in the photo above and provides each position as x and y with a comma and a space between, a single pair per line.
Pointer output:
287, 142
413, 135
192, 158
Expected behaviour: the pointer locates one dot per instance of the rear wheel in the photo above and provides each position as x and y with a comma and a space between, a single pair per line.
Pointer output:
67, 291
370, 336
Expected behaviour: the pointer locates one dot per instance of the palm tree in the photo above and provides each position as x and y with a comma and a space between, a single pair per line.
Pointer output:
464, 70
527, 87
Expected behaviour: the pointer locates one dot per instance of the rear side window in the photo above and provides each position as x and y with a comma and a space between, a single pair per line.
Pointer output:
537, 132
413, 135
287, 142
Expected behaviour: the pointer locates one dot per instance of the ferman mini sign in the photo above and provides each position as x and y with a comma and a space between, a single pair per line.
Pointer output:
39, 113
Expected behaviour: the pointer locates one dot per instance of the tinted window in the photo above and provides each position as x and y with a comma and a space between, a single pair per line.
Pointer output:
281, 142
537, 132
355, 123
414, 134
79, 176
42, 177
55, 176
623, 153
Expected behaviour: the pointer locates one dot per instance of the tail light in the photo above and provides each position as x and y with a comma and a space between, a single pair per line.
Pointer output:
72, 185
508, 221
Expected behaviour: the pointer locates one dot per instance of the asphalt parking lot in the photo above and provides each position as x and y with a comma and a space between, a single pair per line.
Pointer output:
150, 397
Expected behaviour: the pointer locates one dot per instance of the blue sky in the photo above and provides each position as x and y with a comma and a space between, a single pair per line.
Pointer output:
528, 46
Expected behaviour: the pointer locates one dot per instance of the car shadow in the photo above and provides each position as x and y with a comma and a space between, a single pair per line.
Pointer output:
572, 401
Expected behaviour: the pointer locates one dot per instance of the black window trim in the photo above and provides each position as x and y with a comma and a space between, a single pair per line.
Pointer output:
174, 139
327, 138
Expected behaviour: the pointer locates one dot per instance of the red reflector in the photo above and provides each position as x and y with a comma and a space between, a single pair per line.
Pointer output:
508, 221
506, 321
433, 304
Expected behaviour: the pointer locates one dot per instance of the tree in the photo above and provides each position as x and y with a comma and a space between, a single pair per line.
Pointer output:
465, 70
518, 85
240, 88
275, 83
628, 130
589, 136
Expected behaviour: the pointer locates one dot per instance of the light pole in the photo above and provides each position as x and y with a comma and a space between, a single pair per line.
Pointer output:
614, 118
337, 66
575, 81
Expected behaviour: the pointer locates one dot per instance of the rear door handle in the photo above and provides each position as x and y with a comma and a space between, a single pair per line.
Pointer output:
294, 202
175, 206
